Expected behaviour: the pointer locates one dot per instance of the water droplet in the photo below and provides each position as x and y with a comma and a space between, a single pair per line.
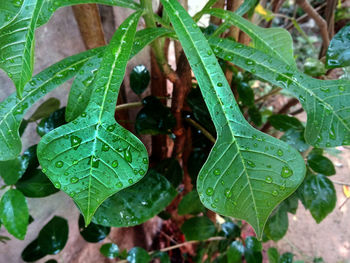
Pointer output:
145, 160
286, 172
120, 185
332, 133
209, 52
66, 173
111, 128
57, 185
75, 142
74, 180
127, 154
274, 193
115, 164
250, 163
130, 181
325, 89
228, 193
301, 98
228, 57
341, 88
283, 186
268, 179
59, 164
44, 170
194, 25
94, 161
209, 191
219, 84
75, 162
217, 172
279, 152
83, 114
250, 62
105, 148
213, 205
141, 172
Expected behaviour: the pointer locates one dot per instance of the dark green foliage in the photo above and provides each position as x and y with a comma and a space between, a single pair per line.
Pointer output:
139, 79
190, 204
171, 170
138, 255
338, 54
92, 233
198, 228
109, 250
56, 119
320, 164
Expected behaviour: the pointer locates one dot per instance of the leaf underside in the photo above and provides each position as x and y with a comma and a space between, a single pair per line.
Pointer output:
248, 173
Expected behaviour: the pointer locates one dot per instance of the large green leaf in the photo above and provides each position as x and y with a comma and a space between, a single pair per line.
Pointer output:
17, 44
248, 173
275, 41
12, 109
326, 102
14, 213
80, 93
96, 156
136, 204
8, 11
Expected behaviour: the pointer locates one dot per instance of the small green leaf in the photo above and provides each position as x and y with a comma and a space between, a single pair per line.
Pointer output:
163, 256
318, 195
198, 228
33, 252
12, 170
255, 115
314, 67
154, 118
246, 93
14, 213
321, 164
277, 224
286, 258
291, 203
283, 122
35, 184
252, 251
171, 170
53, 236
45, 109
338, 54
296, 139
96, 156
12, 109
138, 255
55, 120
93, 233
109, 250
139, 79
190, 204
147, 198
235, 252
273, 255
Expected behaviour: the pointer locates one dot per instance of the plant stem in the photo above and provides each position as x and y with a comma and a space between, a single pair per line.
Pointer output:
202, 129
271, 93
340, 183
129, 105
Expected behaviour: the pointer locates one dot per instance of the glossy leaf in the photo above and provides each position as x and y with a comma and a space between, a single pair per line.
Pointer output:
17, 44
14, 213
12, 109
326, 102
247, 173
235, 252
231, 230
81, 89
171, 170
321, 164
45, 109
55, 120
138, 255
190, 204
283, 122
136, 204
154, 118
198, 228
93, 233
96, 156
35, 184
33, 252
338, 54
109, 250
276, 42
277, 225
252, 251
318, 195
139, 79
12, 170
53, 236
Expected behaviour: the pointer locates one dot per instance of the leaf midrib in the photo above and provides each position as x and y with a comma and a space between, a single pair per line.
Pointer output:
223, 112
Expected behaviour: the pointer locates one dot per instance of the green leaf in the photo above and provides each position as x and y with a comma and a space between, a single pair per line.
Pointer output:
338, 54
321, 164
326, 102
13, 170
136, 204
8, 11
291, 203
246, 6
109, 250
81, 89
139, 79
45, 109
286, 258
274, 41
252, 251
248, 173
277, 225
154, 118
33, 252
283, 122
14, 213
255, 115
235, 252
93, 233
138, 255
163, 256
198, 228
246, 93
318, 195
231, 230
190, 204
314, 67
196, 160
171, 170
296, 139
17, 44
35, 184
12, 109
53, 236
55, 120
96, 155
273, 255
